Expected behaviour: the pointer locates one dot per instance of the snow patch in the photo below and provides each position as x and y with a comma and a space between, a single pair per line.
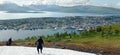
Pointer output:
20, 50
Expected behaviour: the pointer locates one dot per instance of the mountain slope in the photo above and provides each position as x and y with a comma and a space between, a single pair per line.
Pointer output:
77, 9
11, 7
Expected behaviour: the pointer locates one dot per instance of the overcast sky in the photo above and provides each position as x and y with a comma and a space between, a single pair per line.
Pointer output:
109, 3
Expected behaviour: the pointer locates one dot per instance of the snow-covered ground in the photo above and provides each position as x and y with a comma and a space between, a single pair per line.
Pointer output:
20, 50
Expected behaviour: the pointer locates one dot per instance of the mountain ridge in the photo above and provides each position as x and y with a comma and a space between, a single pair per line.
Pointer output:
12, 7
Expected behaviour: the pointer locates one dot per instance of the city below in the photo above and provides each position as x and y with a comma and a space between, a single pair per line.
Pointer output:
71, 22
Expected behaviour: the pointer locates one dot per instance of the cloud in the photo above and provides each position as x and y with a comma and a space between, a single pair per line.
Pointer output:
63, 2
1, 1
118, 5
49, 2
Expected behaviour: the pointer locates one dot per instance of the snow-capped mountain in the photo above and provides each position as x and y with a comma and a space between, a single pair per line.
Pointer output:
11, 7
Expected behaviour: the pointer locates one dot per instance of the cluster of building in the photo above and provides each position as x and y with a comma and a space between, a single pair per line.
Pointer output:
75, 22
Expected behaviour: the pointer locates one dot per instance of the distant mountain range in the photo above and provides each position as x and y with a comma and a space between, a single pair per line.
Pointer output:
14, 8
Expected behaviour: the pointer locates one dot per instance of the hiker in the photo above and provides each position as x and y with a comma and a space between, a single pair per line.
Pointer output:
39, 44
9, 42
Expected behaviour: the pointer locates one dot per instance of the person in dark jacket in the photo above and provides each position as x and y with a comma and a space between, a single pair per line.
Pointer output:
39, 44
9, 42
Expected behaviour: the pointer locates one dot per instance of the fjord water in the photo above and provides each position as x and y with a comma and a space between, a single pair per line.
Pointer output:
5, 34
21, 34
4, 15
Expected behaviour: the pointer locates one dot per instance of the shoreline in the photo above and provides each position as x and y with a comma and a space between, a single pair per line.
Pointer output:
71, 46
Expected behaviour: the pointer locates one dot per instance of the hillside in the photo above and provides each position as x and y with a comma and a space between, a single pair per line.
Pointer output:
103, 39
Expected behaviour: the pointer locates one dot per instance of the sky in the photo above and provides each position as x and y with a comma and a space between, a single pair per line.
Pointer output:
108, 3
